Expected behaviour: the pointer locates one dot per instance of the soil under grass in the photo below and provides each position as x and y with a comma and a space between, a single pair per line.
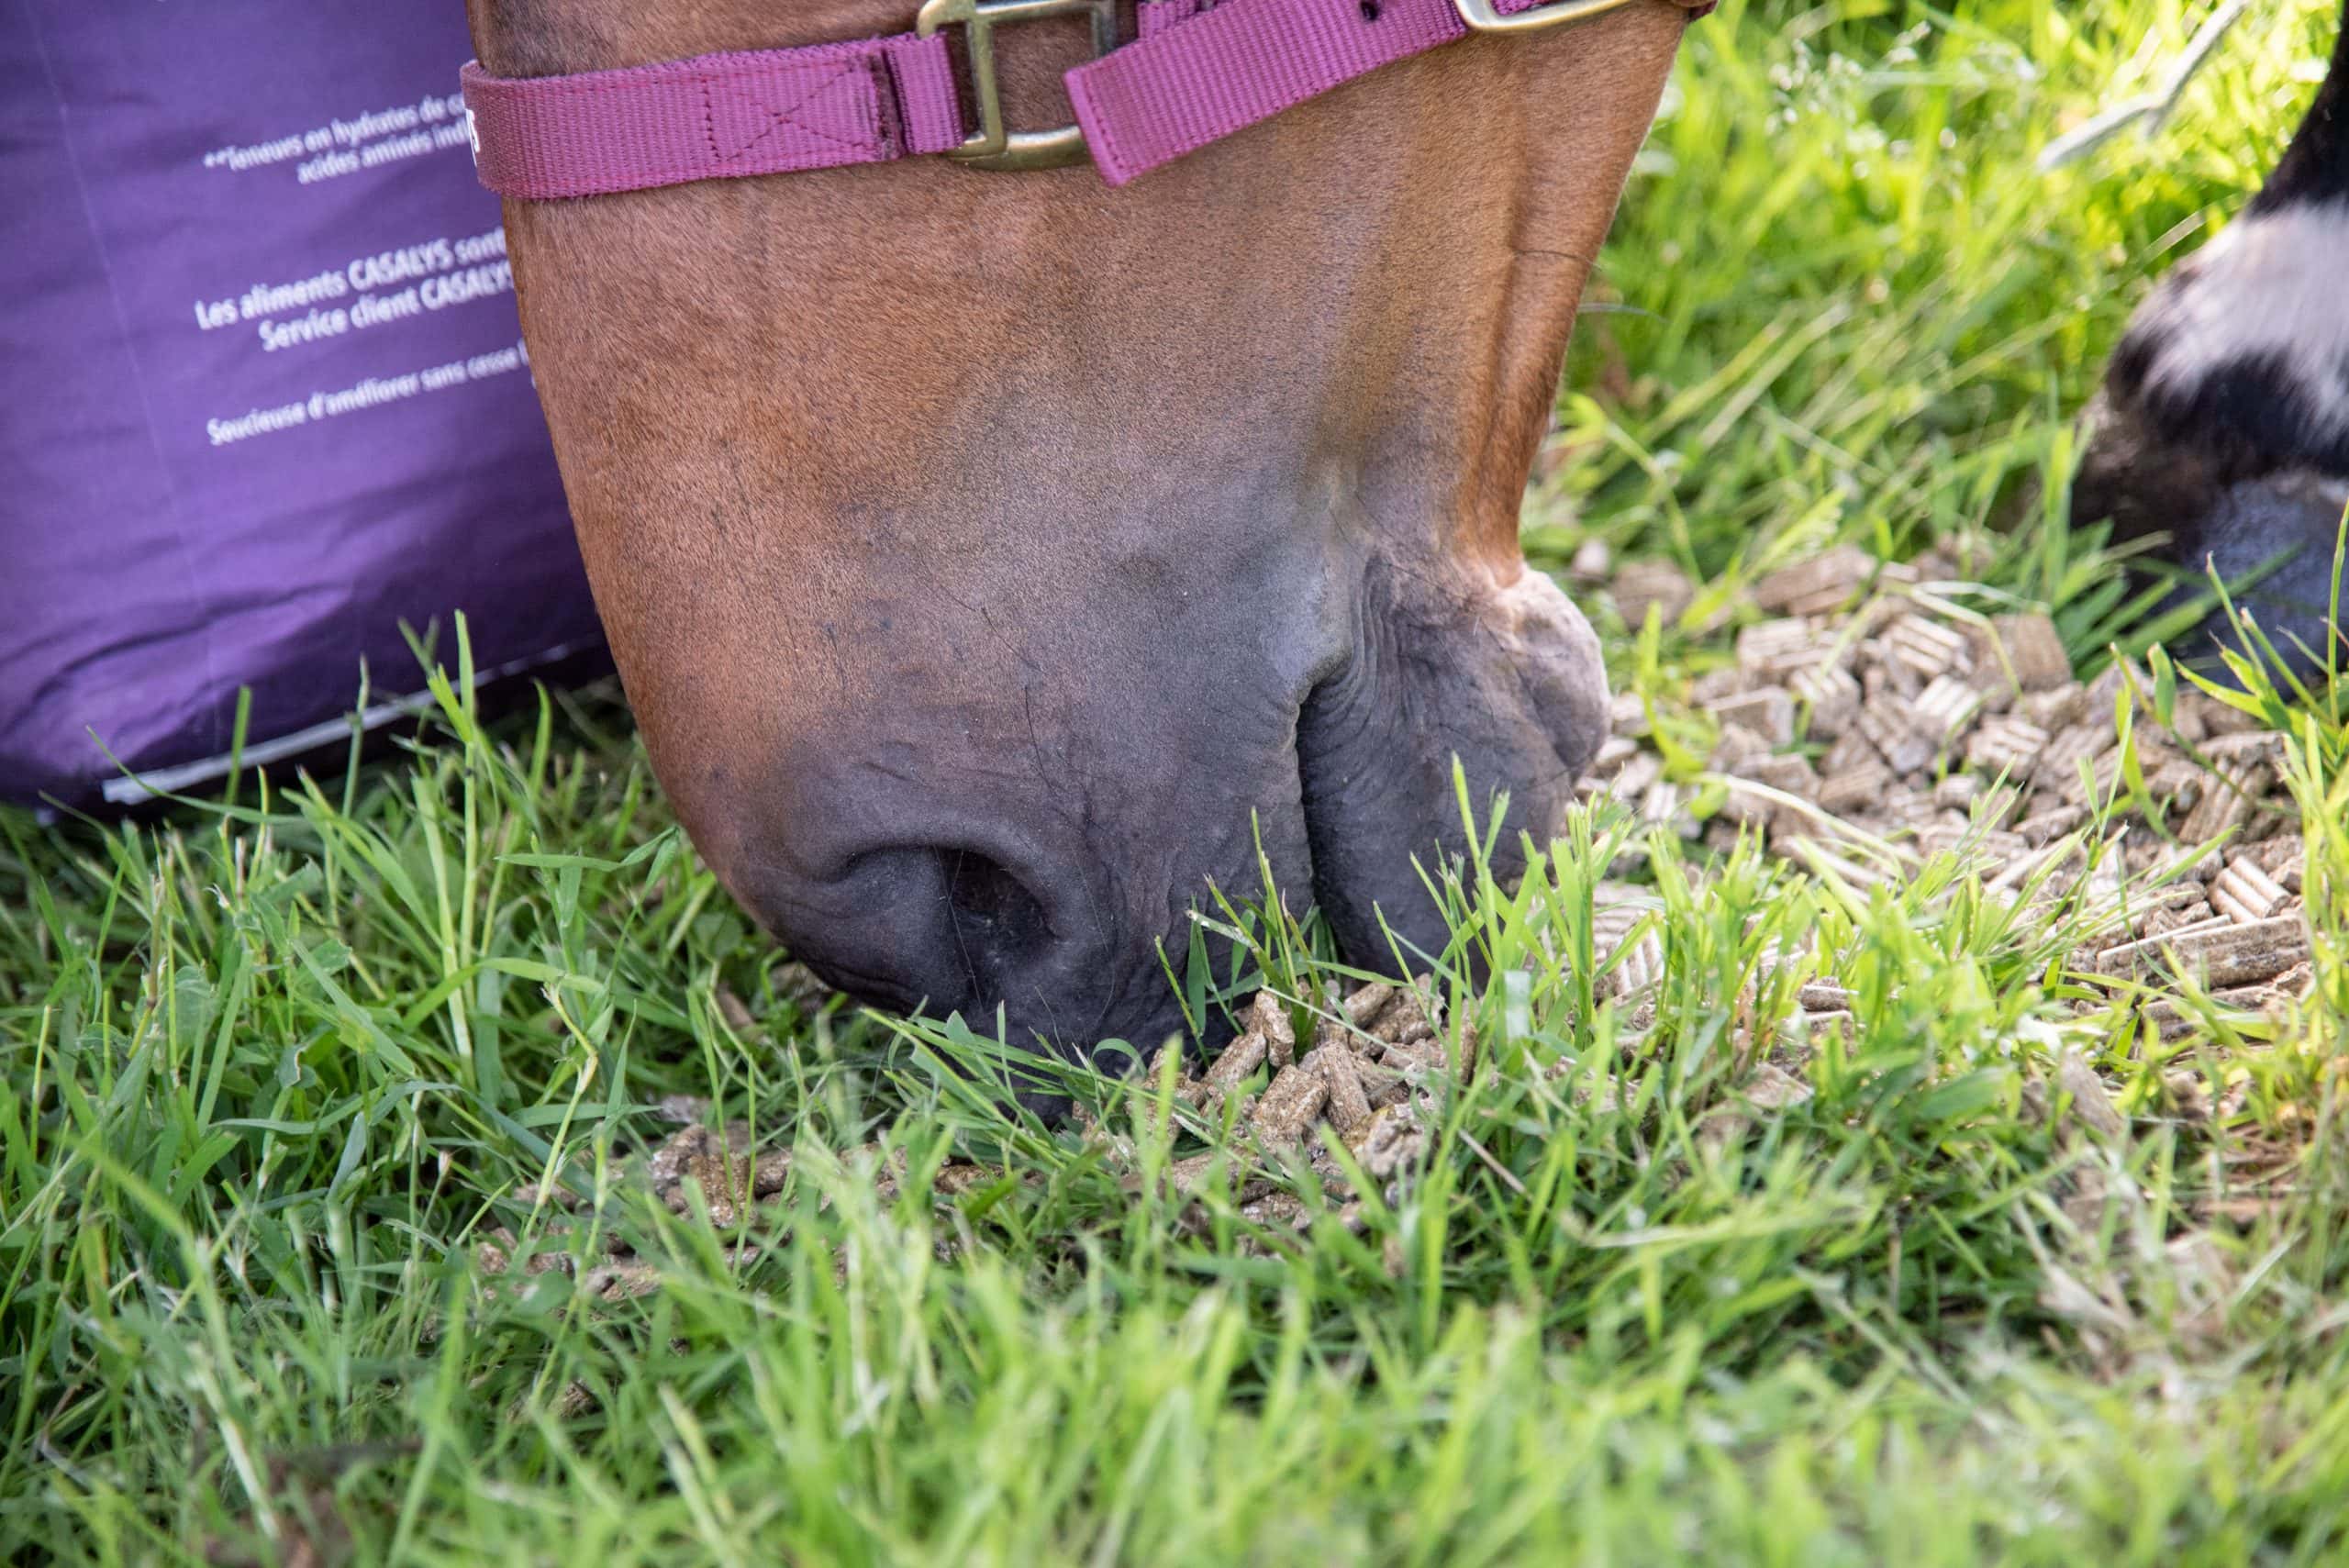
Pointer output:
330, 1226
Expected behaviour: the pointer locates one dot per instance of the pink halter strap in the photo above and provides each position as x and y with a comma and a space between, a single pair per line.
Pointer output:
1198, 73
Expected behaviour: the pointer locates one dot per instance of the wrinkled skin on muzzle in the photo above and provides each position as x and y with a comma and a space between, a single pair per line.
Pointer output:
995, 561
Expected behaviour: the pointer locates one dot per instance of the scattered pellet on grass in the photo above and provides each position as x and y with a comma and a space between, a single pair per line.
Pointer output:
1927, 648
1290, 1106
1268, 1017
1239, 1059
1364, 1005
1767, 1088
2245, 893
2006, 745
1639, 585
2218, 954
1769, 713
1832, 696
2091, 1102
2032, 643
1826, 583
1347, 1104
1948, 734
2228, 805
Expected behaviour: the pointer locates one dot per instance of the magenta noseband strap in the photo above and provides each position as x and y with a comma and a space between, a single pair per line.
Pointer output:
1199, 71
777, 111
1242, 62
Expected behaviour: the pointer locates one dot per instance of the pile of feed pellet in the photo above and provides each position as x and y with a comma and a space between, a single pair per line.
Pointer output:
1872, 722
1368, 1069
1869, 725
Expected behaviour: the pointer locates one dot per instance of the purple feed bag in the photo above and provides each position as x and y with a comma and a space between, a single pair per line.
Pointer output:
264, 398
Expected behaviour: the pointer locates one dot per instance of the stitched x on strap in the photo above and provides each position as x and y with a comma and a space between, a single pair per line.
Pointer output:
768, 112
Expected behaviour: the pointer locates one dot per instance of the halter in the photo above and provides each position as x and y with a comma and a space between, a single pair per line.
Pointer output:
1198, 71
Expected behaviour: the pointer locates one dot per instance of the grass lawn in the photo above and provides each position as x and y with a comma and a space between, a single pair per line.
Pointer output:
283, 1079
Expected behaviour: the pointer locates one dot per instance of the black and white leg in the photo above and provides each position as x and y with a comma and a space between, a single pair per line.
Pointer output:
2223, 423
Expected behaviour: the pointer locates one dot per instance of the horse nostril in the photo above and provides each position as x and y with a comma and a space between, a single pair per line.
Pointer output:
997, 924
942, 925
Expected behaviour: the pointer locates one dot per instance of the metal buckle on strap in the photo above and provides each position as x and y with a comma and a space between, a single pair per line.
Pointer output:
1482, 17
995, 147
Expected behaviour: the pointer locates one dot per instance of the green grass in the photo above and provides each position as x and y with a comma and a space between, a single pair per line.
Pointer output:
274, 1068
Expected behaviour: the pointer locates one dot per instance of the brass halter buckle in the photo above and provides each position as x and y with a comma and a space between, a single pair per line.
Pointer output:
995, 147
1482, 17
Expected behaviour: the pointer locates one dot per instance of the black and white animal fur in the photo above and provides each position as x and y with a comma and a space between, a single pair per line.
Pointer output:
2223, 423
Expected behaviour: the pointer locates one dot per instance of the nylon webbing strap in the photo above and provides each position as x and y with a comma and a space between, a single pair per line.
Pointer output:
1182, 87
767, 112
1200, 71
